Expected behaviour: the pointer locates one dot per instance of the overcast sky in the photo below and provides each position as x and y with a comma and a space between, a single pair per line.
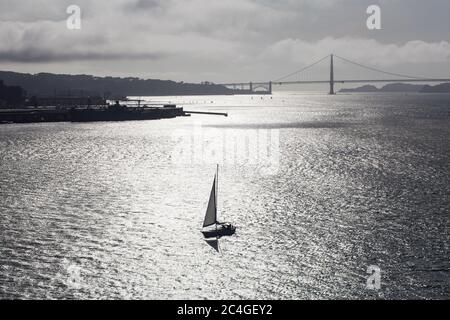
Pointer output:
228, 40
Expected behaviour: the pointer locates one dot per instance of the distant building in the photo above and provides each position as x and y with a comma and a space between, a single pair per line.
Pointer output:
11, 96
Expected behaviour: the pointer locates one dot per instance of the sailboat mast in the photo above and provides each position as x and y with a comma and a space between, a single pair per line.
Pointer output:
217, 184
217, 191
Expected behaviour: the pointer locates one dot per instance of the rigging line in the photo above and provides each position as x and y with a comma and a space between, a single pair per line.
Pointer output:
301, 70
378, 70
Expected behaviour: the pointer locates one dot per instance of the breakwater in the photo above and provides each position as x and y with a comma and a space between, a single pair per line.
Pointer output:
33, 115
111, 113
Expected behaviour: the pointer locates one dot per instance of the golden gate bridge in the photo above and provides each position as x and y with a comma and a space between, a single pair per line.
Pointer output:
267, 86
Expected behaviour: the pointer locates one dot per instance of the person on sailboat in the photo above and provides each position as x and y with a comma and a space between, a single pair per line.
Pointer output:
226, 226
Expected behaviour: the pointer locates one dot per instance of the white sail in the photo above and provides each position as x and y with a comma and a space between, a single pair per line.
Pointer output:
211, 212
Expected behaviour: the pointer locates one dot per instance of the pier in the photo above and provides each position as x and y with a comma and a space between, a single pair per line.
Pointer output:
83, 114
34, 115
208, 113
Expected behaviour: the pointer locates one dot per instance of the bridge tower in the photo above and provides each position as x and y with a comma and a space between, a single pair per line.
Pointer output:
332, 76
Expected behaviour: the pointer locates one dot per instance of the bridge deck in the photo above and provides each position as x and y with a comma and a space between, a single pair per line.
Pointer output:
280, 83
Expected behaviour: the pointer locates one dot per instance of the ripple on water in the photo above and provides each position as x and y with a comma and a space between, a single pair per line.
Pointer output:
101, 211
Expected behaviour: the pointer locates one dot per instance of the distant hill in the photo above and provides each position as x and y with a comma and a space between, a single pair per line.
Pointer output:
441, 88
367, 88
393, 87
402, 87
47, 84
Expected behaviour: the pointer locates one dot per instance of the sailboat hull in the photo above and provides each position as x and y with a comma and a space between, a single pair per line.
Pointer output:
222, 232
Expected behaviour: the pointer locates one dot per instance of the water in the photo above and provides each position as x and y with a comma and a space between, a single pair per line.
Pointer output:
106, 210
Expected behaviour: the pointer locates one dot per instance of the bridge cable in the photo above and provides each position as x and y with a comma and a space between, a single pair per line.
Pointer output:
301, 70
378, 70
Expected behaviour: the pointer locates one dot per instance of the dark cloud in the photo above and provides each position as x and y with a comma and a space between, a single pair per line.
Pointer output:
146, 4
35, 55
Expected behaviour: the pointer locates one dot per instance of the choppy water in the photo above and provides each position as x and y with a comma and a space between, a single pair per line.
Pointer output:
108, 210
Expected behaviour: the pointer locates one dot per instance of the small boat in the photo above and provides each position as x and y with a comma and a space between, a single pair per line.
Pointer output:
212, 228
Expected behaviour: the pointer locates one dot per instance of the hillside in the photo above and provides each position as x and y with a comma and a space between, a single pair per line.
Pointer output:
393, 87
47, 84
441, 88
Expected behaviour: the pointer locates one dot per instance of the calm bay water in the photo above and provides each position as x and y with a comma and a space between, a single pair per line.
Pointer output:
105, 210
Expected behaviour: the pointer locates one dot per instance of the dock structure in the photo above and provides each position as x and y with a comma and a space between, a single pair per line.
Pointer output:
115, 112
207, 113
33, 115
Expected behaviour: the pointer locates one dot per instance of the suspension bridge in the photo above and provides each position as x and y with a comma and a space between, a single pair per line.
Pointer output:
266, 87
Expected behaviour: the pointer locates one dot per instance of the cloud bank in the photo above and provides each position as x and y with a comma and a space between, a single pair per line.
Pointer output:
195, 40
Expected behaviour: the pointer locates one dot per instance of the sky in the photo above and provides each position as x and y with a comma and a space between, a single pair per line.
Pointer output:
223, 41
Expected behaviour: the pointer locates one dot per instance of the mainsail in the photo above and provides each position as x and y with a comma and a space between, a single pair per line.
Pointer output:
211, 212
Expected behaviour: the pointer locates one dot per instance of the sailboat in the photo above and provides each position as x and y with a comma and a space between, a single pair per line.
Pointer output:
212, 228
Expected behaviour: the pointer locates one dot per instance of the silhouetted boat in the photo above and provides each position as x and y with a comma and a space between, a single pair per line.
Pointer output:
212, 228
